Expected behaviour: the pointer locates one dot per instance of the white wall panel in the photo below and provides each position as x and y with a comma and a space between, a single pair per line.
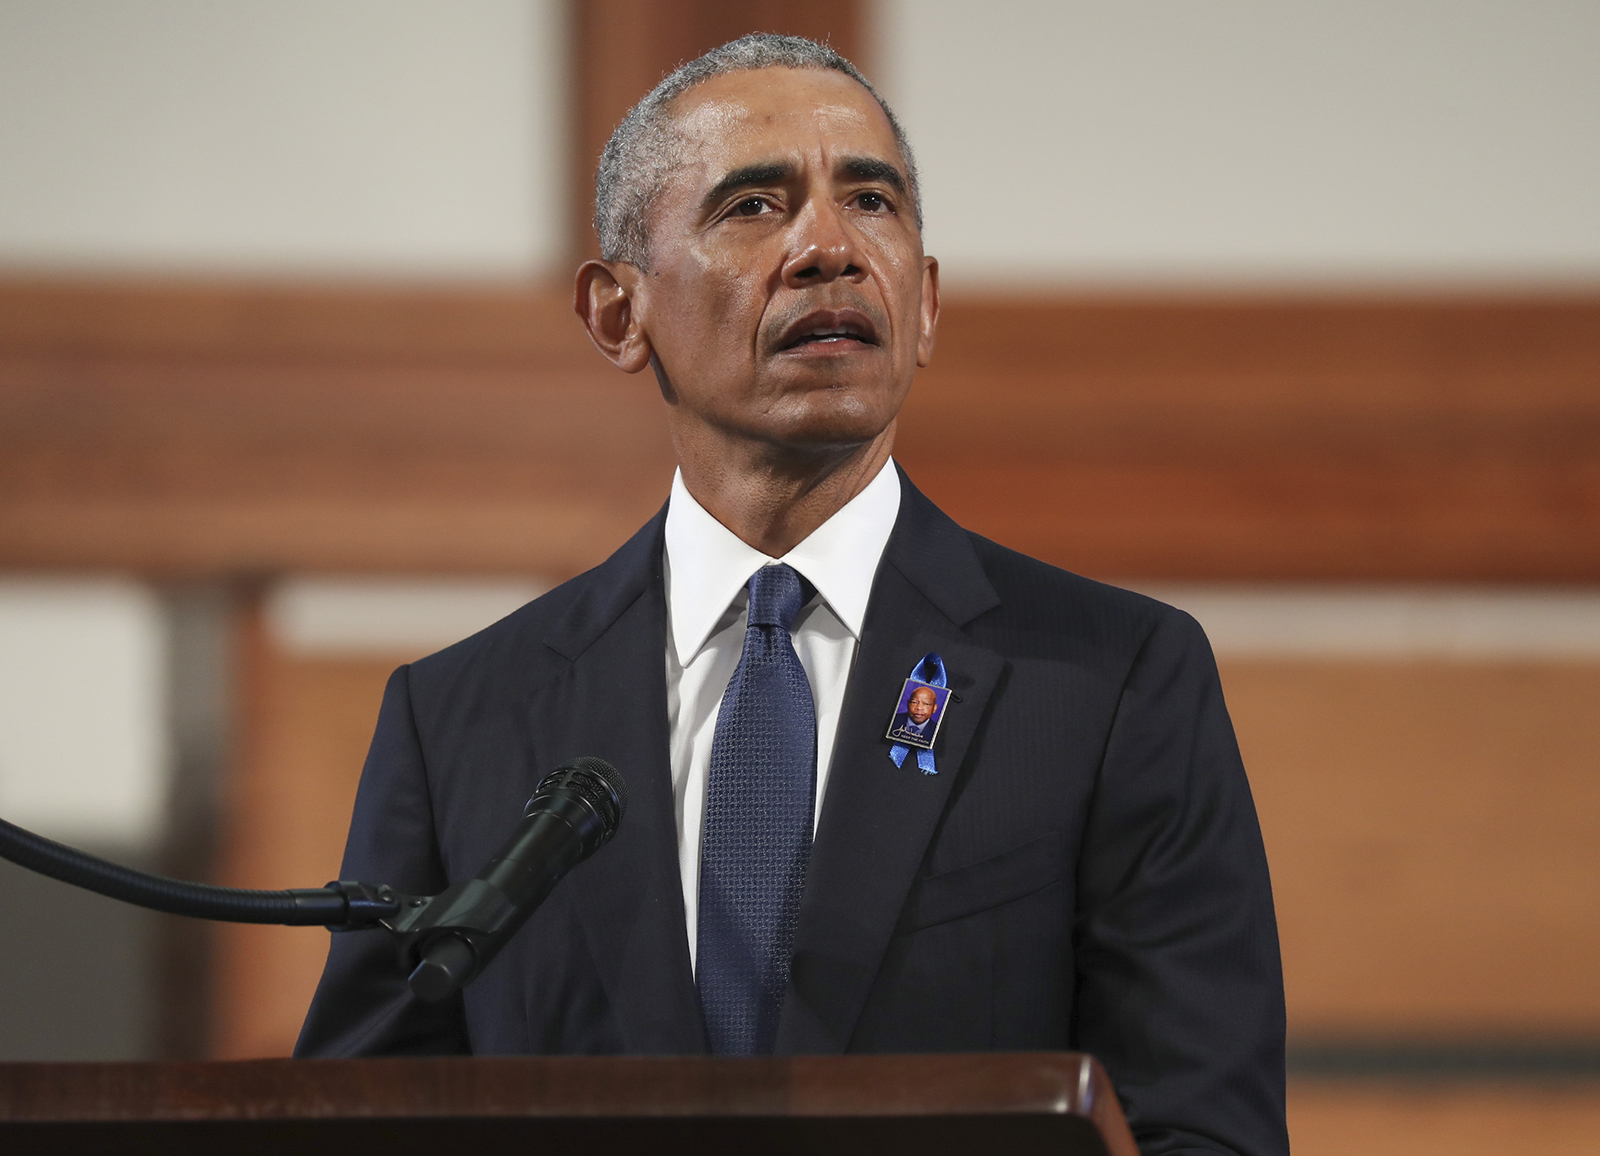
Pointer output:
403, 137
311, 616
1290, 620
1253, 141
83, 677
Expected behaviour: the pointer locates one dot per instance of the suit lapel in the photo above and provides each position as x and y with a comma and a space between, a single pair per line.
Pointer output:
612, 703
878, 819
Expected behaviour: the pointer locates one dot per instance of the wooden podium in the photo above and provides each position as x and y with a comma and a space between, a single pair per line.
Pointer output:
1015, 1104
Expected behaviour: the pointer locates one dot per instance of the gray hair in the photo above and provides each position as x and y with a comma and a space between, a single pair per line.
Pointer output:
640, 156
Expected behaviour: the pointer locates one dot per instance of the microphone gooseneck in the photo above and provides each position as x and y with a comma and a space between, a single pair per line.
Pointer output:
573, 813
445, 939
343, 905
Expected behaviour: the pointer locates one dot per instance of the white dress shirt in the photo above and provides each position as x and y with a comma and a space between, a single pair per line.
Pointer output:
707, 567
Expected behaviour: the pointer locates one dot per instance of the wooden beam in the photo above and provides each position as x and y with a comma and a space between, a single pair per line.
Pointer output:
237, 430
623, 47
1272, 438
317, 321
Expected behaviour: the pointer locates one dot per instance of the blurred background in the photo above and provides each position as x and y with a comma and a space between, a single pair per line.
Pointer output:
1286, 313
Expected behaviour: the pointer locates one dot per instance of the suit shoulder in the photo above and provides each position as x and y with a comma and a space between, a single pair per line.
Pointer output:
1046, 600
500, 664
514, 643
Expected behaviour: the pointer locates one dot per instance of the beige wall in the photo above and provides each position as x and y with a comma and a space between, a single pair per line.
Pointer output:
340, 137
84, 753
1253, 142
1430, 830
1087, 142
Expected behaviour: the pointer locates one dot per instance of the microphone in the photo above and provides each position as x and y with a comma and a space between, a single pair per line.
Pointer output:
449, 937
573, 813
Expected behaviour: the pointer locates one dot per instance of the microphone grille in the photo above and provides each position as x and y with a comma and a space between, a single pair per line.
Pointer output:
596, 780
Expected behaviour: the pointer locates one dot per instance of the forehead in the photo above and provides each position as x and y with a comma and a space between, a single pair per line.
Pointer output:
779, 113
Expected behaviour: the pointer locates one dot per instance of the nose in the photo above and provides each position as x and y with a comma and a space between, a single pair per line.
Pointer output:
825, 248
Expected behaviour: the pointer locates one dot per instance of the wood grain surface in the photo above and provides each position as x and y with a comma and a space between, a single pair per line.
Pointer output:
946, 1085
242, 430
1045, 1103
936, 1103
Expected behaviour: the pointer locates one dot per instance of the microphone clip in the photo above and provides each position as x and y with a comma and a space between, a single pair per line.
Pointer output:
449, 933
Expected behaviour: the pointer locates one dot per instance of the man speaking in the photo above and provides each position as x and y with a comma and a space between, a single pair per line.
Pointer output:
1071, 862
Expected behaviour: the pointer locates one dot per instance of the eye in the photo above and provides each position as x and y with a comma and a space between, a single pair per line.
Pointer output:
873, 203
750, 207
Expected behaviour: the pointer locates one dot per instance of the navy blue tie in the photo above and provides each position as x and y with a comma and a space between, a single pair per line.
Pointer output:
760, 795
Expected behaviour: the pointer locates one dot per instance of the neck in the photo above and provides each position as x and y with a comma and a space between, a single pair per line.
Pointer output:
772, 499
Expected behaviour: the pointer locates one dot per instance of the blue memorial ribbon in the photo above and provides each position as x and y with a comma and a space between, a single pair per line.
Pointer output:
929, 669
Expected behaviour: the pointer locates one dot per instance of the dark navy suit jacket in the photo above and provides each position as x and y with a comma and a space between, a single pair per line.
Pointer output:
1085, 871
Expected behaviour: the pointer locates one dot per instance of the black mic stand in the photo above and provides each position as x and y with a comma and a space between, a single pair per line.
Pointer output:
338, 906
444, 939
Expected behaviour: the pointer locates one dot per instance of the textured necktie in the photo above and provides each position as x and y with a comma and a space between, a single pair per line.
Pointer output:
756, 841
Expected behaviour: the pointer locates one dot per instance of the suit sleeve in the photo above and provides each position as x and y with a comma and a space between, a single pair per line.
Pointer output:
363, 1006
1179, 984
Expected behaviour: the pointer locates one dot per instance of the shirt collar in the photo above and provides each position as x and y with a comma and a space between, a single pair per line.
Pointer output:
708, 565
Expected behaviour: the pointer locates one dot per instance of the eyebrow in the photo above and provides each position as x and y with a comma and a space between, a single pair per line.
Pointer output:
749, 177
873, 169
766, 173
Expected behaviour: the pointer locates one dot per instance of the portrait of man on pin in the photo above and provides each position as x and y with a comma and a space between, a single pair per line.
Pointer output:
916, 719
1084, 872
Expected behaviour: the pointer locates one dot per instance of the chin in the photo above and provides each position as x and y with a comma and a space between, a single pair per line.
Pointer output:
831, 420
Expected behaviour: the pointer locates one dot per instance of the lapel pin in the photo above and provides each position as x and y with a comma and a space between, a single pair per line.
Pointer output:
918, 712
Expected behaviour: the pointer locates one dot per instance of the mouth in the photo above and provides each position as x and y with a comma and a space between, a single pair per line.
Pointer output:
830, 330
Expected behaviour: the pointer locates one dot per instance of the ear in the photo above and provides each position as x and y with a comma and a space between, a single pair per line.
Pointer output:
928, 322
604, 299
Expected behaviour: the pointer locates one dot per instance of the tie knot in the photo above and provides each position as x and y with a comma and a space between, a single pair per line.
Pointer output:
776, 595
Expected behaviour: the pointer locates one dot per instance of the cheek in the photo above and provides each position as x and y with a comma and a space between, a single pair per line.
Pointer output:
723, 302
902, 286
739, 298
